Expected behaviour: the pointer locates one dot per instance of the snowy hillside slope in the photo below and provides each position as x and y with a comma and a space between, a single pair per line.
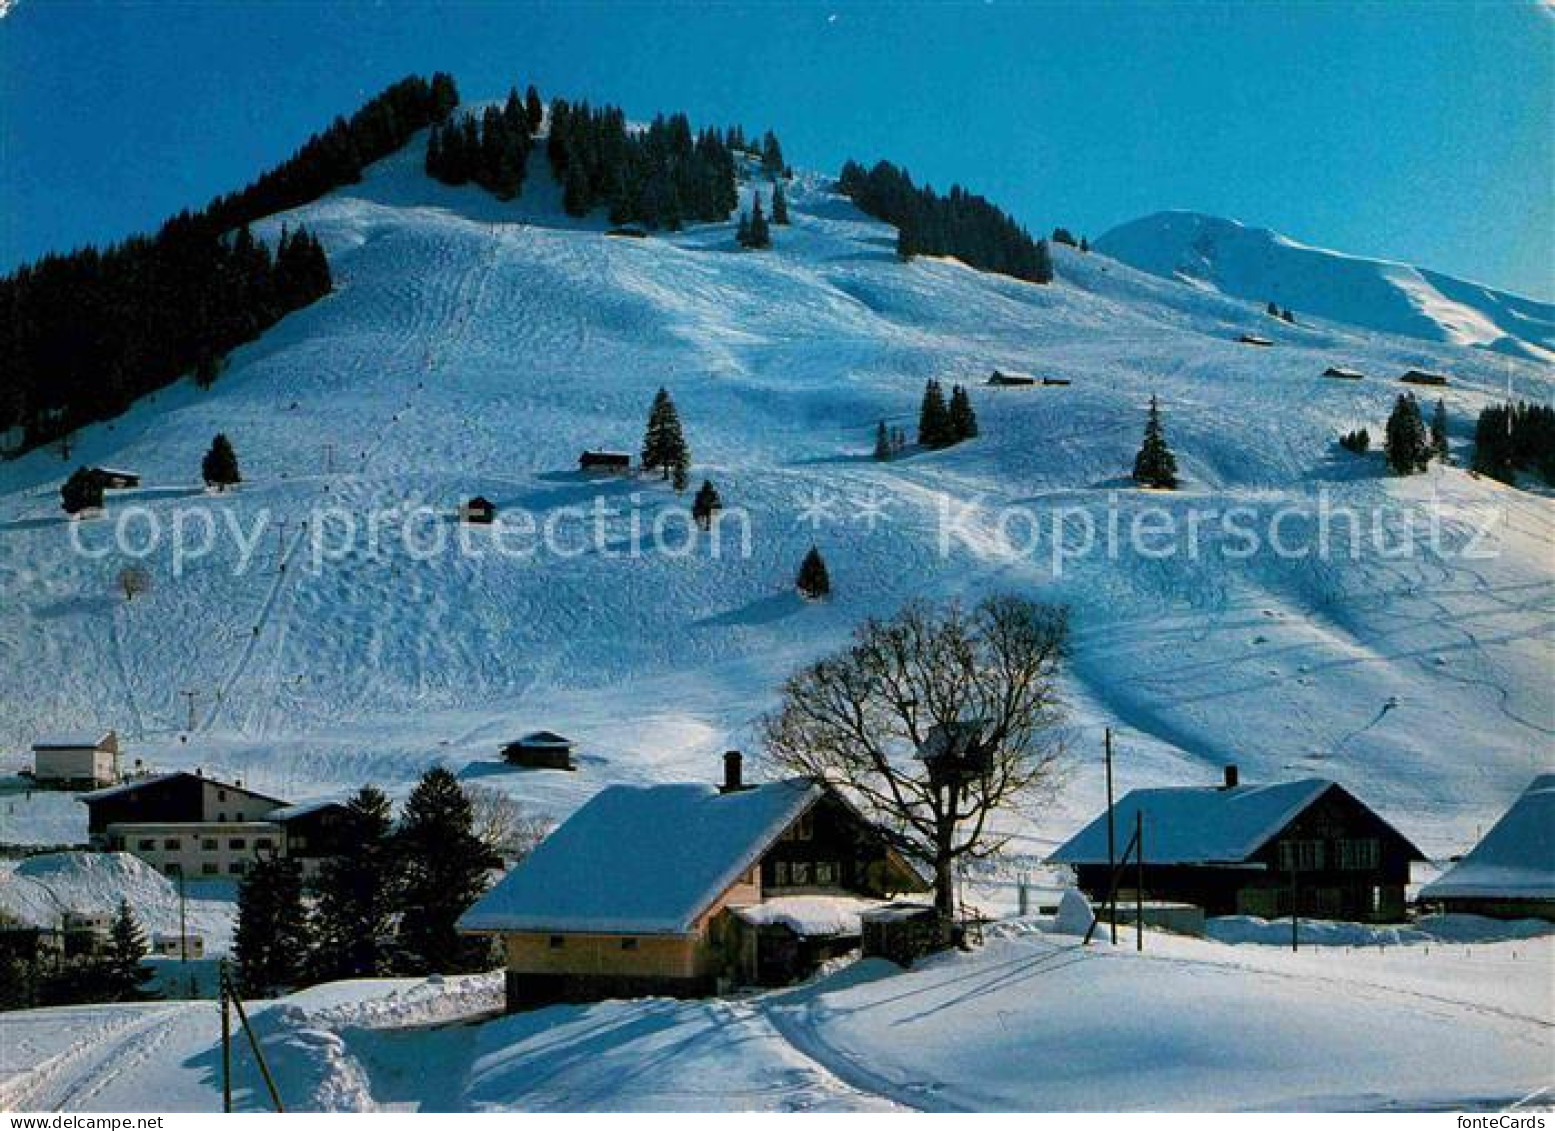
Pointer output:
1395, 298
475, 347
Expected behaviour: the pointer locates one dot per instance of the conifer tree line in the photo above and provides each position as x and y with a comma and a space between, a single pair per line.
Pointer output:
387, 903
491, 151
941, 424
961, 224
1509, 438
664, 176
82, 335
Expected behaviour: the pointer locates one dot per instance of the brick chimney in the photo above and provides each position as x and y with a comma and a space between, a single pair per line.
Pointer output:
1232, 778
734, 780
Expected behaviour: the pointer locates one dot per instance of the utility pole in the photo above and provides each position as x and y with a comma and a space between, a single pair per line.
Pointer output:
183, 924
1139, 881
280, 545
189, 695
1295, 919
329, 458
1112, 860
226, 1040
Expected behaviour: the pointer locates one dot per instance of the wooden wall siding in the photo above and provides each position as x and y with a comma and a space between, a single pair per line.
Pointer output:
654, 956
829, 835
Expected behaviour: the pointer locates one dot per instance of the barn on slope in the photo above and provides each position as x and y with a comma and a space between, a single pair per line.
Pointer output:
1510, 874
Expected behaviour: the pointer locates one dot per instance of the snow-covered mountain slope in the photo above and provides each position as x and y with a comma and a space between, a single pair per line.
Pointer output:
1395, 298
476, 347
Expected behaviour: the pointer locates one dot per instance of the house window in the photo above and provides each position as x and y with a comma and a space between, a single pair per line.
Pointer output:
237, 842
221, 818
1359, 855
208, 844
825, 873
221, 795
299, 842
209, 868
780, 874
146, 845
801, 873
628, 944
172, 843
236, 867
556, 942
1301, 855
263, 842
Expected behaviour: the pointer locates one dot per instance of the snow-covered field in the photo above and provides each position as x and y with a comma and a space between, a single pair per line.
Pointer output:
473, 347
1032, 1021
466, 351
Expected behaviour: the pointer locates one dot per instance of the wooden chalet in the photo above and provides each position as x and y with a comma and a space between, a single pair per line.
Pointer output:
478, 509
1253, 850
1255, 340
313, 832
1510, 873
1000, 379
1423, 377
685, 889
115, 478
540, 750
614, 463
1341, 373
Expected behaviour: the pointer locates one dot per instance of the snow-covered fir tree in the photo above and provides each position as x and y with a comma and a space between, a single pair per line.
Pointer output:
1155, 465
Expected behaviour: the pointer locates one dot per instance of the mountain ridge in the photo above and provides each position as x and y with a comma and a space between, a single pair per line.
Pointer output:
1263, 265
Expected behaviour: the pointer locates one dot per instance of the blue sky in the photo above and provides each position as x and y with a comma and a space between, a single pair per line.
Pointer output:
1413, 131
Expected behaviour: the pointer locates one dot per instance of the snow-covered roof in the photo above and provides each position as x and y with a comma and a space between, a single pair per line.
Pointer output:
1196, 825
811, 916
127, 787
1516, 858
641, 860
302, 809
155, 779
543, 738
79, 740
118, 471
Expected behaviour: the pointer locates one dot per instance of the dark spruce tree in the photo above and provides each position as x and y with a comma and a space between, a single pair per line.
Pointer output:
772, 163
813, 582
1085, 246
1358, 441
706, 504
962, 417
354, 910
82, 491
1155, 465
219, 468
742, 230
124, 972
1272, 310
1439, 448
271, 943
884, 448
779, 204
1406, 444
444, 867
1042, 263
664, 444
934, 427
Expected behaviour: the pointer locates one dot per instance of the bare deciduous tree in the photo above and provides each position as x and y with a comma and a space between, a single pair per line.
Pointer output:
133, 581
933, 721
504, 825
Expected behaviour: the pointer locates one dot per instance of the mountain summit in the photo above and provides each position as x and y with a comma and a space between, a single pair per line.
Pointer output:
1396, 298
